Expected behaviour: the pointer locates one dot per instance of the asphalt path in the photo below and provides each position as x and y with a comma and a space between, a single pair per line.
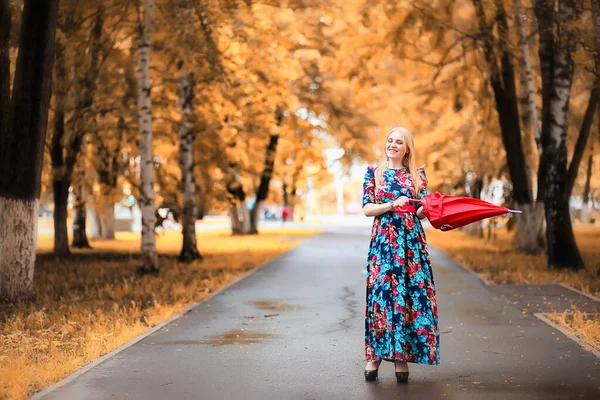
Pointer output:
294, 329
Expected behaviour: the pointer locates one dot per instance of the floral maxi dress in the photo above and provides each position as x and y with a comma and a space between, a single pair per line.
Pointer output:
401, 321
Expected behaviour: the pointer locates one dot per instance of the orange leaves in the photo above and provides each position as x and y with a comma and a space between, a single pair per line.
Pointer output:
88, 308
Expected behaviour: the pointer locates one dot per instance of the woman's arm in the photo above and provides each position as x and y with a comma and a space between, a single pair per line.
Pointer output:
373, 210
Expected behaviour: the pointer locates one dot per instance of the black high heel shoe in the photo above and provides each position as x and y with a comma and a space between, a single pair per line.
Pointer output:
402, 377
372, 375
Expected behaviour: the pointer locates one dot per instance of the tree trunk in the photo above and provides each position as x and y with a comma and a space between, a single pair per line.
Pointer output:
149, 253
474, 190
5, 25
246, 219
529, 113
61, 196
293, 197
254, 216
80, 239
530, 228
236, 226
22, 140
109, 162
238, 197
502, 80
503, 84
60, 182
586, 189
544, 12
64, 156
562, 248
84, 99
18, 236
284, 193
189, 249
265, 180
582, 139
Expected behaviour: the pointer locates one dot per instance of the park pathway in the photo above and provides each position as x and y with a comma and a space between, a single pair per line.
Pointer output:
293, 329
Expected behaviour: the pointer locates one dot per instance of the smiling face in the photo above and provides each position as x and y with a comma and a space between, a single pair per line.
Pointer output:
395, 146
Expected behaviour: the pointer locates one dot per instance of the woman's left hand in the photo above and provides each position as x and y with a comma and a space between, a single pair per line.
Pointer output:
420, 213
400, 202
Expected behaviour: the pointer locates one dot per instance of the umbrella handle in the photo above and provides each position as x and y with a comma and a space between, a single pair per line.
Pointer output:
416, 201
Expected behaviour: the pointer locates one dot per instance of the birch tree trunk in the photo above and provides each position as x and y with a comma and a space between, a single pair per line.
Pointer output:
562, 248
529, 113
149, 253
189, 249
502, 80
22, 138
530, 224
544, 12
474, 190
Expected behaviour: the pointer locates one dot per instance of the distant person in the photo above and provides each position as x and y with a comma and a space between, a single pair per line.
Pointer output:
285, 214
401, 323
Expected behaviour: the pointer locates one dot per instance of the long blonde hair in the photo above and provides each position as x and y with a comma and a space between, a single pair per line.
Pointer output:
408, 161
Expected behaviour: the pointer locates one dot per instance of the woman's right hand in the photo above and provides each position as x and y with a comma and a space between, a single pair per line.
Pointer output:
400, 202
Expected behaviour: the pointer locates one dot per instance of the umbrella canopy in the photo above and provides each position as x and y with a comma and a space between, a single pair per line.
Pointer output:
447, 212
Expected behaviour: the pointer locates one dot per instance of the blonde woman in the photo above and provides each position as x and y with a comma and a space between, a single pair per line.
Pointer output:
401, 322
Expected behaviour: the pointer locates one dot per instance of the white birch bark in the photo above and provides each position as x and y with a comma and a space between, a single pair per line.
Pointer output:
530, 224
561, 246
189, 250
149, 254
528, 107
18, 236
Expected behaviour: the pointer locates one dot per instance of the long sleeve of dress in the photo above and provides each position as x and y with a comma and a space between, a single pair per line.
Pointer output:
369, 186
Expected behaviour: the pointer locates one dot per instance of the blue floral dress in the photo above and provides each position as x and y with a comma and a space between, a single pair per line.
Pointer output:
401, 321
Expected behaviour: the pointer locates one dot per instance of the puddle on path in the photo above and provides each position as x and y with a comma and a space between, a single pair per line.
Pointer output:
485, 316
441, 271
272, 305
234, 336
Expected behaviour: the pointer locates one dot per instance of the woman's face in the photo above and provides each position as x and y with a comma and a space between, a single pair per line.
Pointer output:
395, 148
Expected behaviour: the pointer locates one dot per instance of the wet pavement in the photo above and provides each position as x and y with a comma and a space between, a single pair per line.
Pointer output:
546, 298
294, 329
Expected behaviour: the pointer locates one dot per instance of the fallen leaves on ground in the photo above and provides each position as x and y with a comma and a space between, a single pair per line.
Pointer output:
93, 302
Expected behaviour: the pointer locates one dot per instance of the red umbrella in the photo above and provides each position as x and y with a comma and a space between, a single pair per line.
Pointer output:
450, 212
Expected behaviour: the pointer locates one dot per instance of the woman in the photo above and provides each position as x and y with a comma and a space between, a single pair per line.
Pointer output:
401, 322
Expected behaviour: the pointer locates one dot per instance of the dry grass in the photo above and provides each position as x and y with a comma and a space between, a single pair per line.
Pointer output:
93, 302
584, 326
497, 261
